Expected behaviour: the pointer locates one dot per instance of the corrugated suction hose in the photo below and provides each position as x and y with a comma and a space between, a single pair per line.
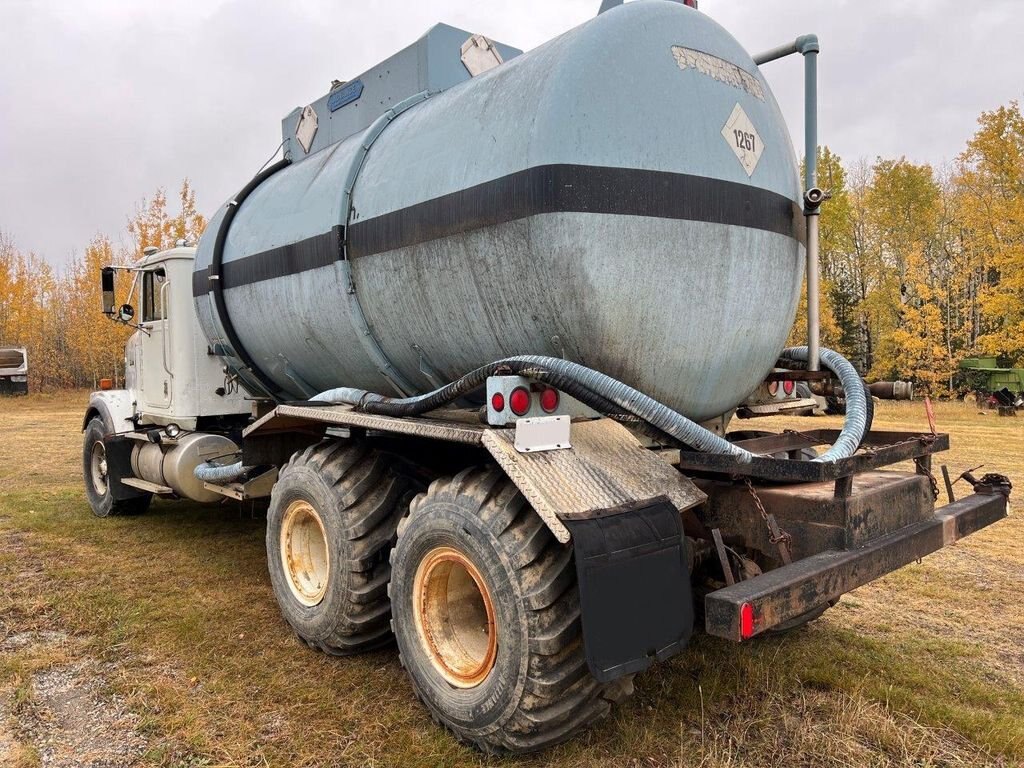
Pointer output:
605, 394
859, 408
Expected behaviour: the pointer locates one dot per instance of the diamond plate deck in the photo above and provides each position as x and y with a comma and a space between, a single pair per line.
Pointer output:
606, 469
285, 417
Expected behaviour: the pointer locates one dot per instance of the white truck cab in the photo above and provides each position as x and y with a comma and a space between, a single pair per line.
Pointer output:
178, 408
174, 375
171, 374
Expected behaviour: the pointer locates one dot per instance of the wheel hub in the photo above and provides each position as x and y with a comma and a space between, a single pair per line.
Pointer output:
454, 617
304, 552
98, 467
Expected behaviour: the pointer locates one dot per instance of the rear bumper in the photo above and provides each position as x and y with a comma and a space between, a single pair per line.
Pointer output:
9, 387
787, 592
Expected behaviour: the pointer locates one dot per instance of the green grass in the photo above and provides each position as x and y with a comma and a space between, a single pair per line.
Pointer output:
924, 667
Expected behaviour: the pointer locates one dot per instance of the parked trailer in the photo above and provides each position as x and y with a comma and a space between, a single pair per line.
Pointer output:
13, 371
478, 337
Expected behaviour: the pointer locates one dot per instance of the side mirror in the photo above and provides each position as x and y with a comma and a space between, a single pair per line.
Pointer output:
107, 288
126, 314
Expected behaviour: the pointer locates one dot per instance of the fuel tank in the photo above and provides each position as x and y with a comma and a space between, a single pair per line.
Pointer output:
625, 196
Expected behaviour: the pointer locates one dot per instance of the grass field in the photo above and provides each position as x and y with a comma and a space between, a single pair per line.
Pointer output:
156, 640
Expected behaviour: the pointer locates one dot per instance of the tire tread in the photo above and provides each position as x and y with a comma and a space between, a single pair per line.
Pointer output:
560, 696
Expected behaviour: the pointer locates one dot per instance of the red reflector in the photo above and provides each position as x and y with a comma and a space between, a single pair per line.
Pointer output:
549, 400
787, 387
773, 387
498, 402
519, 401
746, 621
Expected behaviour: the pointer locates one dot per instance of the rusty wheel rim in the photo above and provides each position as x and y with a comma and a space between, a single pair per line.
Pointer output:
454, 617
98, 467
304, 553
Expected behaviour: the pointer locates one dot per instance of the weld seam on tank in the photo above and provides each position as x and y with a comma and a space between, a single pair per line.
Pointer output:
576, 380
857, 422
364, 332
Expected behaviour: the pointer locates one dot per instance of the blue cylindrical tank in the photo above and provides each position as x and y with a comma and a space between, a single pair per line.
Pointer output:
626, 195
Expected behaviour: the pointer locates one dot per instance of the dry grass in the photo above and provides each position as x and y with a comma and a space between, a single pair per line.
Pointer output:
924, 667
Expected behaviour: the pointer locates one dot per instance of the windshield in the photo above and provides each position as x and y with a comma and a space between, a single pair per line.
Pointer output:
12, 358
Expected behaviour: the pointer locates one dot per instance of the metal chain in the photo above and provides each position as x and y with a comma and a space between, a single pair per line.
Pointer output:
925, 439
776, 535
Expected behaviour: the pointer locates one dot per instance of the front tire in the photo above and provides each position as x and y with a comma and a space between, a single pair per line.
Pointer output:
98, 480
487, 618
331, 524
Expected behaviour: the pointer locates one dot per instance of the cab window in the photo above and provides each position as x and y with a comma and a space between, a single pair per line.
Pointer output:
152, 284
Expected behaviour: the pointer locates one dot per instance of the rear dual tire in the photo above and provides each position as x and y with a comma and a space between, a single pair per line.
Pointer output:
479, 595
487, 619
330, 527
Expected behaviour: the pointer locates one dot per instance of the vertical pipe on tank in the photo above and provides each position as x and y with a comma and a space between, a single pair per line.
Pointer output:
810, 53
808, 47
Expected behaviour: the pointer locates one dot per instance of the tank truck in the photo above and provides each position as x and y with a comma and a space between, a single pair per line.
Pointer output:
478, 337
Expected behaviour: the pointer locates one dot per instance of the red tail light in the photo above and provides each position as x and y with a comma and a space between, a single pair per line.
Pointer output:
773, 387
549, 400
498, 402
787, 387
746, 621
519, 401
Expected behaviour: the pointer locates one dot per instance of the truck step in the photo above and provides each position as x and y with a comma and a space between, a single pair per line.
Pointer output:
145, 485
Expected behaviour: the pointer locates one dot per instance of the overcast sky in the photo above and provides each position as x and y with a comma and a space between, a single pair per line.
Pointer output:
103, 101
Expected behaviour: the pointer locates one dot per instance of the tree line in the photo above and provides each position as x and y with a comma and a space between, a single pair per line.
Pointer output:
56, 314
921, 267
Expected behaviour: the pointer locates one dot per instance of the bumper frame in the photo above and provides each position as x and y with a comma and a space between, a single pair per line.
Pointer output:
785, 593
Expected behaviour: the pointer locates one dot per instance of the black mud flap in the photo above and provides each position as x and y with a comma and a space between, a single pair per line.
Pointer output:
635, 596
119, 465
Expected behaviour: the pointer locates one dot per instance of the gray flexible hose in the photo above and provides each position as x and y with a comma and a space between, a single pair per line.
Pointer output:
856, 424
598, 390
215, 473
585, 384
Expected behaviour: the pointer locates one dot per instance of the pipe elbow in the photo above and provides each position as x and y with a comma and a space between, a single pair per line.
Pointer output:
807, 44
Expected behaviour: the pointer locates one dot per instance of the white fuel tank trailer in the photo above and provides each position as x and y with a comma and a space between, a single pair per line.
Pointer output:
625, 196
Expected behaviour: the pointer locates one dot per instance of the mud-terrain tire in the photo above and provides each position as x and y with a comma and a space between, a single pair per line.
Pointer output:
530, 688
330, 527
97, 481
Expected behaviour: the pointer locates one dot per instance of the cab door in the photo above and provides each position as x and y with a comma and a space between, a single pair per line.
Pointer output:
155, 376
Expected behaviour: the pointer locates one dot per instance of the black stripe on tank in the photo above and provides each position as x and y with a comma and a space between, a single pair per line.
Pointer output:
311, 253
538, 190
578, 189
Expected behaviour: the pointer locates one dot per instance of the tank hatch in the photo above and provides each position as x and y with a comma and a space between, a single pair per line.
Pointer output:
443, 57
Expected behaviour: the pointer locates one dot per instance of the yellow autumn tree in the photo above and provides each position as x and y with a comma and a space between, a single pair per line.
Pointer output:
916, 348
990, 187
57, 315
152, 225
95, 343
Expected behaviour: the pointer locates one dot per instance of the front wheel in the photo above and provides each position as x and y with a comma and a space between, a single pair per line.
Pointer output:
486, 614
96, 469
